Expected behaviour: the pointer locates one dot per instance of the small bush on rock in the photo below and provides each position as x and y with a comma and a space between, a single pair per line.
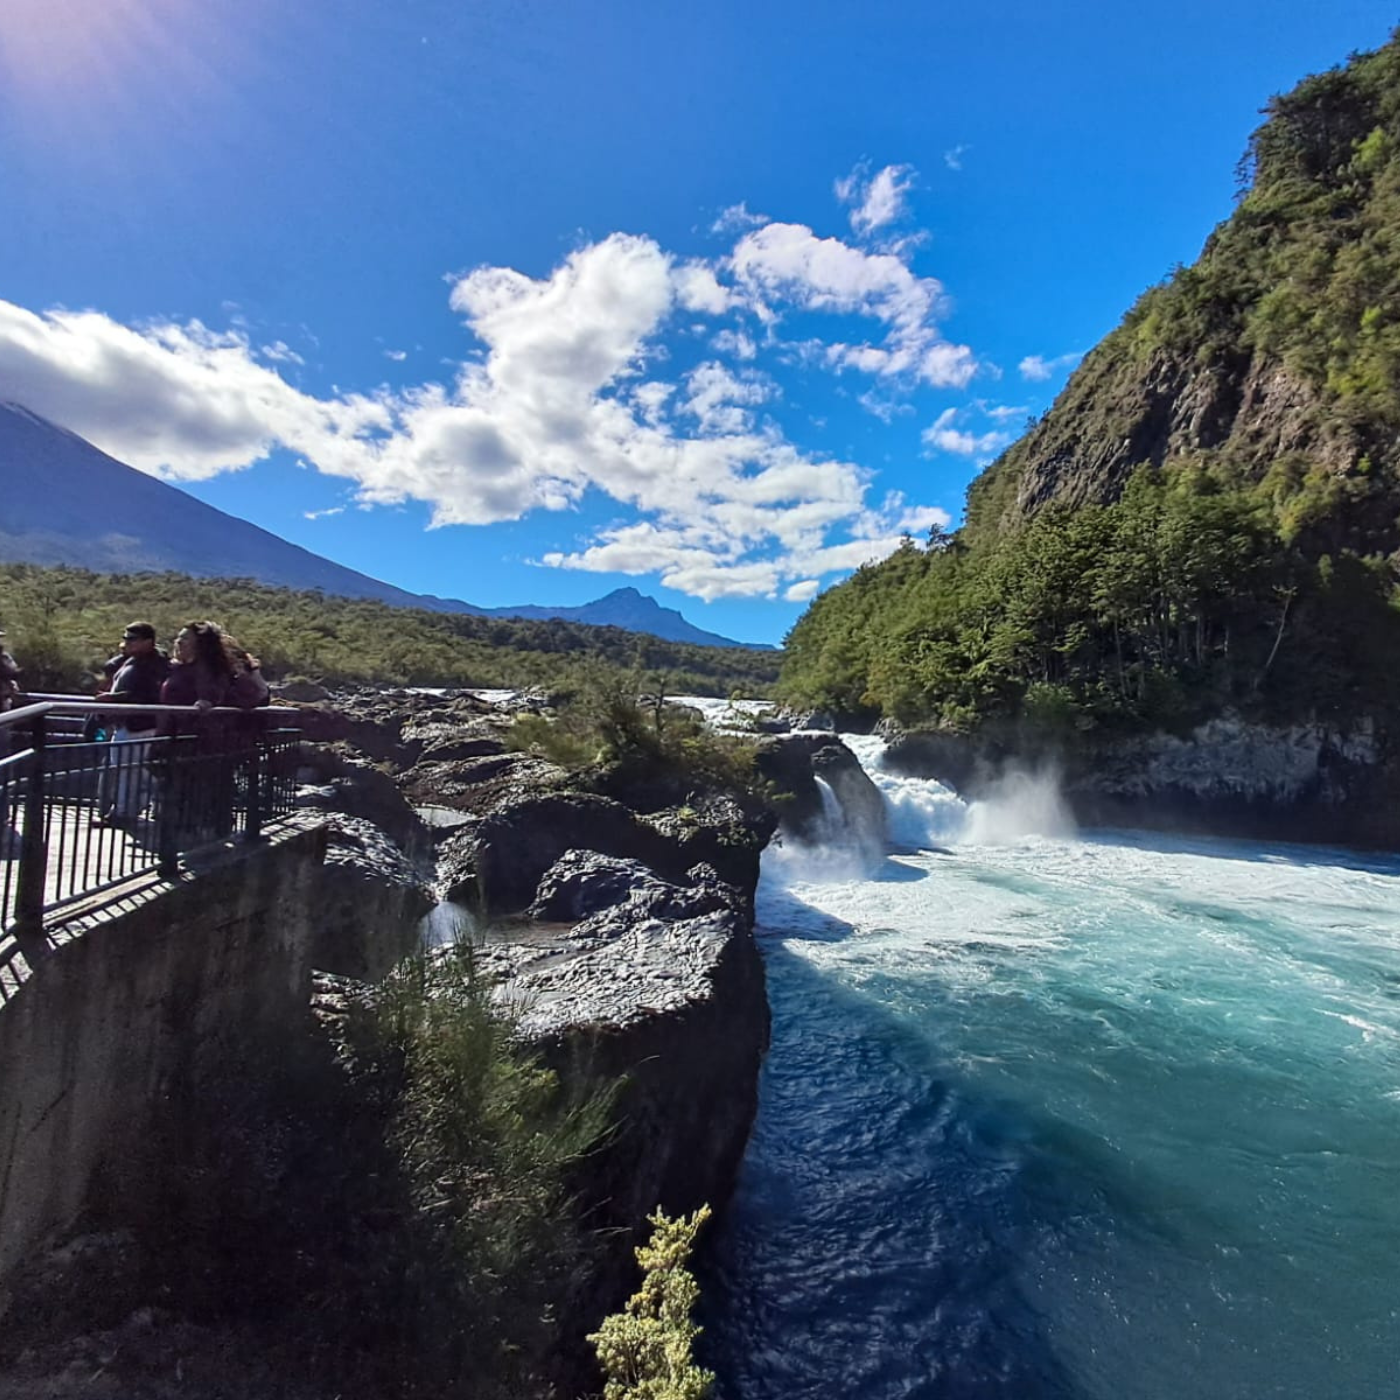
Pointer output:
645, 1350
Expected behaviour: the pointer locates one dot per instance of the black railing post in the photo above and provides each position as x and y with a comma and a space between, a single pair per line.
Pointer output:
34, 850
252, 826
171, 799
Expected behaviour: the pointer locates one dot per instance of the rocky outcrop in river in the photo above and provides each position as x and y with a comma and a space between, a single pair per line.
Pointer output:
1229, 777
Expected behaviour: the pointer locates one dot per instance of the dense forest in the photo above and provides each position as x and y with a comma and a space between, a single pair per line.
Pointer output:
64, 622
1209, 515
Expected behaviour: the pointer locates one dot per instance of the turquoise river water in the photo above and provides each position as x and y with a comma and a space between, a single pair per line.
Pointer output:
1106, 1115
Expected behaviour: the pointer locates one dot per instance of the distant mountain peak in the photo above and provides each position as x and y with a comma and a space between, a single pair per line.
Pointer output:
64, 501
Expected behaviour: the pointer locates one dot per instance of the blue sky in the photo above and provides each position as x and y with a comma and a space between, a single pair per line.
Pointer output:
522, 302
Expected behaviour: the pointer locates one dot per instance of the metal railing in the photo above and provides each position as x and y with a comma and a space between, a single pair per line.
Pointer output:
78, 817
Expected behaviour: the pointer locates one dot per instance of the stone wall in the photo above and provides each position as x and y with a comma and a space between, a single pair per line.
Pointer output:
128, 1016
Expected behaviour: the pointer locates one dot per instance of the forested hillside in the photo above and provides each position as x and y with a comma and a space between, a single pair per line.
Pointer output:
64, 622
1209, 514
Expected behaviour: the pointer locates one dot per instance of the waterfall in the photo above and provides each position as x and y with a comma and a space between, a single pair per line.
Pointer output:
926, 815
833, 828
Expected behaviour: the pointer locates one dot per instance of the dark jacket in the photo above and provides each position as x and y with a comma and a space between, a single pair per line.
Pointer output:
139, 681
187, 685
9, 679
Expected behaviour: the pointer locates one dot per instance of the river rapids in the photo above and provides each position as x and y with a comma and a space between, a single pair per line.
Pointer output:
1051, 1114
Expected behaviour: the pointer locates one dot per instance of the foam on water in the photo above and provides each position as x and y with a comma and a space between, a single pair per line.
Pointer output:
1116, 1116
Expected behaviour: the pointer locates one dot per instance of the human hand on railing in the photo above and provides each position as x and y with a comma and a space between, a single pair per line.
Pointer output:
203, 706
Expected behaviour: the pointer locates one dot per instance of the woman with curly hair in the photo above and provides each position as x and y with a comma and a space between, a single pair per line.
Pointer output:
206, 674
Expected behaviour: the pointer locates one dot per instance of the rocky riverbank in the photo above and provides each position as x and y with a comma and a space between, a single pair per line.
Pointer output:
1229, 777
612, 908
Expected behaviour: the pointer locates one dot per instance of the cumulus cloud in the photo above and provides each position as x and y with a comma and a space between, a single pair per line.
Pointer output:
720, 401
788, 263
877, 200
1038, 369
559, 398
180, 401
945, 436
803, 591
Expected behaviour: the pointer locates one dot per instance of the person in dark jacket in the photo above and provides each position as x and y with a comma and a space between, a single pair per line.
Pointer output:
9, 675
203, 780
9, 690
139, 680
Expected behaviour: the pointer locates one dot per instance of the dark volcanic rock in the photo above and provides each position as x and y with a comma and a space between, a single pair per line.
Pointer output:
583, 884
862, 803
793, 762
498, 865
361, 789
1228, 777
480, 784
371, 901
304, 692
715, 831
676, 1011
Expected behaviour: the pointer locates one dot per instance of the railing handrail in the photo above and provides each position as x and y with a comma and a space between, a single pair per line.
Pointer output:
81, 705
73, 800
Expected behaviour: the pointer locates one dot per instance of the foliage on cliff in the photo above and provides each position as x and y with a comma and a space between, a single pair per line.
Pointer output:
646, 751
64, 622
439, 1247
646, 1351
1210, 513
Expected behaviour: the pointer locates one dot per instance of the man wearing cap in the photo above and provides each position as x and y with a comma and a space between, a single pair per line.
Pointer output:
137, 682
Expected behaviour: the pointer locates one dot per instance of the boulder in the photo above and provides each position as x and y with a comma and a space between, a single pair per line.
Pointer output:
675, 1012
862, 804
371, 901
304, 691
342, 781
582, 885
498, 864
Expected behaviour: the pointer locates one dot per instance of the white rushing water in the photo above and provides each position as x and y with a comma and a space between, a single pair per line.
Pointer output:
1099, 1115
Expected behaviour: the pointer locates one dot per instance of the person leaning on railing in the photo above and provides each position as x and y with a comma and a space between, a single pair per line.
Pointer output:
9, 689
210, 670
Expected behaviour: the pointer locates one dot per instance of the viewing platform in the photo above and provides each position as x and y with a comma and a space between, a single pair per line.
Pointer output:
85, 825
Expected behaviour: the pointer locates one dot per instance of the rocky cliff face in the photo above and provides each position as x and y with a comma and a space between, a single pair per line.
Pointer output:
1281, 341
1303, 782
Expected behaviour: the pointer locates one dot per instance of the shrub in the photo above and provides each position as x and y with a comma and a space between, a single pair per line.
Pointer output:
645, 1350
481, 1134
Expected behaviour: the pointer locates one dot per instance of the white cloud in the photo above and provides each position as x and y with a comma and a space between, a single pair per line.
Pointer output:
322, 514
878, 199
398, 356
560, 399
282, 353
953, 158
697, 289
720, 401
804, 591
180, 401
1001, 412
737, 343
1038, 369
885, 409
737, 217
788, 263
944, 436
